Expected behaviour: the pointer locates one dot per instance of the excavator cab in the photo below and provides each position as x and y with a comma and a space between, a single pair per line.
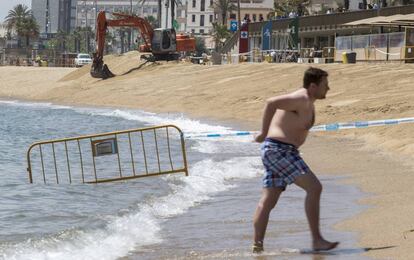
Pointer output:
164, 42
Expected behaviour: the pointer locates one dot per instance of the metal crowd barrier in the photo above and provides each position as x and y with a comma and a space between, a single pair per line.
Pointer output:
107, 157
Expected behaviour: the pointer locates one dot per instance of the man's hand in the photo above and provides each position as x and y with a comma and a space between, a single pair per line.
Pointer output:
259, 137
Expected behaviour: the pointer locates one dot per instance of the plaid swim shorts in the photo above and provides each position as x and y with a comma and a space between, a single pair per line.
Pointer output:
282, 163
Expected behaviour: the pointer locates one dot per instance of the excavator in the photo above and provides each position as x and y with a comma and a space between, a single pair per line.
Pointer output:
162, 44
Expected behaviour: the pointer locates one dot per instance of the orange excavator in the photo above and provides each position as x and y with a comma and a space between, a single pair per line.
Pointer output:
162, 44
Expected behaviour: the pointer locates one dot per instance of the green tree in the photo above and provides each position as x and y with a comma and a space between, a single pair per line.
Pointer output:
88, 35
77, 41
284, 7
224, 7
200, 45
220, 34
61, 39
21, 20
73, 40
152, 20
110, 42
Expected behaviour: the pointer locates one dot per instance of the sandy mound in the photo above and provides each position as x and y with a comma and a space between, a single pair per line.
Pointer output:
128, 64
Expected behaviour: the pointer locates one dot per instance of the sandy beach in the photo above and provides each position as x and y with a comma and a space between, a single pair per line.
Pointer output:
235, 94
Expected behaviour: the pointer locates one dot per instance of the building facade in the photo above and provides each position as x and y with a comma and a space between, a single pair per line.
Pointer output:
253, 9
54, 15
200, 16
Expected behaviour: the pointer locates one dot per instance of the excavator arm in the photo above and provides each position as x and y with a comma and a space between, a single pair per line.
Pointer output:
101, 70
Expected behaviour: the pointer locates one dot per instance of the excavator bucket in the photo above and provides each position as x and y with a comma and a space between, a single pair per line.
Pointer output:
100, 70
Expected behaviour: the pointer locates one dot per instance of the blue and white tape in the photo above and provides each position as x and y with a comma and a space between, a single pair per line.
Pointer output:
206, 135
318, 128
362, 124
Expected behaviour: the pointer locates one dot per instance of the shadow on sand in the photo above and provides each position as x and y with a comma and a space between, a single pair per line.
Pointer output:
133, 69
320, 255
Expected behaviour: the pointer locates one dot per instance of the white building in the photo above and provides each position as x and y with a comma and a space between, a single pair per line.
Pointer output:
253, 9
199, 17
3, 30
86, 11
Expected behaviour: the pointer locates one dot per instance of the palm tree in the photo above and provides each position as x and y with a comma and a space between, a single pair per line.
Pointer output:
173, 4
21, 20
142, 2
152, 20
29, 29
220, 34
224, 7
73, 42
283, 7
61, 38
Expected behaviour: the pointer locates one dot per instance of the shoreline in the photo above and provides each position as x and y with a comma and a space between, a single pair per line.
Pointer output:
276, 242
359, 92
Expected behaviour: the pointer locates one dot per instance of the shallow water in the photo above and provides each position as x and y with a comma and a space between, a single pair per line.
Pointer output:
205, 215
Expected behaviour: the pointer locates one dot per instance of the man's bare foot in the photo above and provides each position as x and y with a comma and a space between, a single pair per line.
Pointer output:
258, 247
324, 245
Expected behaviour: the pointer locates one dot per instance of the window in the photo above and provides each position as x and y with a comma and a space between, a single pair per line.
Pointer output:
203, 5
211, 18
166, 39
211, 3
193, 18
254, 17
201, 31
194, 3
202, 20
192, 31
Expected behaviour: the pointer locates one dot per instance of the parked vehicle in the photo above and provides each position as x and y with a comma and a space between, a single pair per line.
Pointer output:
82, 59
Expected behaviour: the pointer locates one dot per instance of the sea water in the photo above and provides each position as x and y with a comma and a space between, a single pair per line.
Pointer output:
206, 215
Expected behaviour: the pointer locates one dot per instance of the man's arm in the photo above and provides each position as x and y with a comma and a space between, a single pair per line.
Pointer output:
289, 102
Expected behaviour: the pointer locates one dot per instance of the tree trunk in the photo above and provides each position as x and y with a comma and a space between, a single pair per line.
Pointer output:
238, 15
159, 13
172, 13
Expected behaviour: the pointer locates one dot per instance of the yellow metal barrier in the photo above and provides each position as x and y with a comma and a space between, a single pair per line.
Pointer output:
111, 156
370, 53
408, 52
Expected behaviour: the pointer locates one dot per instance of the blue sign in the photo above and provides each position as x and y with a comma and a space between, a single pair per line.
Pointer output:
266, 35
244, 35
233, 25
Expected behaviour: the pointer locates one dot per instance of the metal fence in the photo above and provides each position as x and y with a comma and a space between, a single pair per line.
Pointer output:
107, 157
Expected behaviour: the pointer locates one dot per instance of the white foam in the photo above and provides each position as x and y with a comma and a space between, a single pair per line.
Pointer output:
33, 104
131, 232
189, 126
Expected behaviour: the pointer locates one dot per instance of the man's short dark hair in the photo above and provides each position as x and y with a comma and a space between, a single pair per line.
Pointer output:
313, 75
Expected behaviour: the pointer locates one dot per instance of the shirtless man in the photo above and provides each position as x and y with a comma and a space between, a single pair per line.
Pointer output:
286, 123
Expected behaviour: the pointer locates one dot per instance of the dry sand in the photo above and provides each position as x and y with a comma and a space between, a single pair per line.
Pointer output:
236, 94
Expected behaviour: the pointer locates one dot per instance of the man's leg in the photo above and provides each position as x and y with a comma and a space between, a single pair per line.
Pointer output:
310, 183
261, 217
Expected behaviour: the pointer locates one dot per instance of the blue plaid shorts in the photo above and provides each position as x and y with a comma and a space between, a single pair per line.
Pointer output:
282, 163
